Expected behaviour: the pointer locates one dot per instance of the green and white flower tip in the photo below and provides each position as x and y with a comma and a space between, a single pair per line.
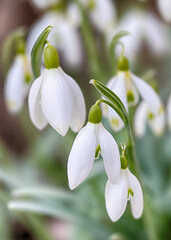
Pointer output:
165, 9
91, 140
169, 112
127, 188
155, 121
18, 80
56, 98
128, 87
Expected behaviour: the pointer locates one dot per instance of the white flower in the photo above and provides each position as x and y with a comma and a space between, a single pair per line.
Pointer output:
64, 35
42, 4
143, 114
143, 27
16, 86
56, 98
102, 13
165, 9
169, 112
127, 87
117, 195
91, 139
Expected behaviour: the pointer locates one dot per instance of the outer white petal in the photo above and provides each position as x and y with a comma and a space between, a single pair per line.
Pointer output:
56, 100
169, 112
74, 15
116, 197
136, 200
44, 3
148, 94
82, 154
79, 109
34, 101
14, 86
157, 123
119, 89
165, 9
140, 119
110, 153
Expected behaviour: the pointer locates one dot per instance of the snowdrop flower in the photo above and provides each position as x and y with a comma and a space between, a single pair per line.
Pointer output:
56, 98
127, 87
64, 35
42, 4
91, 140
169, 112
143, 114
165, 9
17, 83
143, 26
127, 188
102, 13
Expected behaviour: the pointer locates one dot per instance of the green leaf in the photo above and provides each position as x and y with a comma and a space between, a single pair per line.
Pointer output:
115, 101
37, 51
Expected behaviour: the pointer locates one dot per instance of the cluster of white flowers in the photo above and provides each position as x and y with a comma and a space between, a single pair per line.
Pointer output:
56, 99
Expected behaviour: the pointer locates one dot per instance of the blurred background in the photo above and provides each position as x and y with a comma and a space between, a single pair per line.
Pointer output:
35, 200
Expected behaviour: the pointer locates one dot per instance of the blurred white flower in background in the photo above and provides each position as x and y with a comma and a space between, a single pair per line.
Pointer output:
102, 14
17, 83
143, 26
128, 86
165, 9
117, 195
143, 115
169, 112
64, 35
43, 4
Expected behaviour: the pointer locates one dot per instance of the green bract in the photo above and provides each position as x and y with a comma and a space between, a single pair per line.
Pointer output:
51, 58
123, 64
95, 114
36, 54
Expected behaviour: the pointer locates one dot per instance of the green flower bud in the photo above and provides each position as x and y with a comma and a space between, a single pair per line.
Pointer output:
124, 162
123, 64
95, 114
51, 58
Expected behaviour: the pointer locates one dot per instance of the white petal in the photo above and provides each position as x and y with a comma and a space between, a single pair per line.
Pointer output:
44, 3
119, 89
116, 197
79, 110
136, 200
56, 100
165, 9
105, 11
14, 86
74, 15
169, 112
148, 94
131, 91
110, 153
157, 123
34, 101
140, 119
82, 155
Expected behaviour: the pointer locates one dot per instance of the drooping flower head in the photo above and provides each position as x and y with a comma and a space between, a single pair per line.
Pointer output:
165, 9
91, 140
18, 80
127, 188
128, 87
55, 97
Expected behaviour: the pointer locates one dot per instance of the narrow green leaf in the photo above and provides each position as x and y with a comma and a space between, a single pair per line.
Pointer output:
113, 98
37, 51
